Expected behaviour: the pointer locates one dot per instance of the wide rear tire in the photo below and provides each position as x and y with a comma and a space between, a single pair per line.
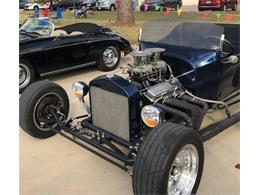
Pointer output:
154, 168
34, 115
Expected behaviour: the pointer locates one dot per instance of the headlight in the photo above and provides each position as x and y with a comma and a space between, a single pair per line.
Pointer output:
151, 115
80, 89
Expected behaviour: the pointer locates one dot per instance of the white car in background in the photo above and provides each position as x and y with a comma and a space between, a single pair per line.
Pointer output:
35, 6
111, 5
106, 5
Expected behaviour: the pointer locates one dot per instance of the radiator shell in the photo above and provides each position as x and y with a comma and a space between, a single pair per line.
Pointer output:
115, 106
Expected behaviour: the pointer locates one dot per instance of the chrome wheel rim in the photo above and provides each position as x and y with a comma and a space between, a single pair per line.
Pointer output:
24, 75
184, 171
110, 56
38, 121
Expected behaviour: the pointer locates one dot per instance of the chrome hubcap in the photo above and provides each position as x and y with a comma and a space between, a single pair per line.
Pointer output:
184, 171
24, 75
110, 56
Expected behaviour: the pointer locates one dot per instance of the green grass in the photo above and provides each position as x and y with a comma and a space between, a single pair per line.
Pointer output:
108, 19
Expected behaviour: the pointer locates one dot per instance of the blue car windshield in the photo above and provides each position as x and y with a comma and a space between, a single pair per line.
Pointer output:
40, 26
186, 34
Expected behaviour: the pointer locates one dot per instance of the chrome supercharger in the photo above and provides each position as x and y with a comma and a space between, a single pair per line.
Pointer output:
147, 65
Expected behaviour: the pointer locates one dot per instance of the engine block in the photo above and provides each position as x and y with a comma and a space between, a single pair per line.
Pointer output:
152, 75
163, 90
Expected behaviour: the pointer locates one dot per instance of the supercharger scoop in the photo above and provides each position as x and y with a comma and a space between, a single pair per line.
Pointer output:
147, 63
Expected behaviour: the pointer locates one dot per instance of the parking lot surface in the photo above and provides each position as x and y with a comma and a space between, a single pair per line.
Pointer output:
56, 166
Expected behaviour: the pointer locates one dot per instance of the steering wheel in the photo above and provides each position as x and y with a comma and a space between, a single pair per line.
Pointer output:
210, 42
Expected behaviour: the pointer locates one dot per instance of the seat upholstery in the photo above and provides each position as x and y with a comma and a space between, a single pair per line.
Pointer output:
59, 32
76, 33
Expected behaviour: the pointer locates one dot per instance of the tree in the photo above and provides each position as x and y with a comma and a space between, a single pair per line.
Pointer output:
125, 14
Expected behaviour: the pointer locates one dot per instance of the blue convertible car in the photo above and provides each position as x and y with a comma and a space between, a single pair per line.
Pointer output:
209, 52
148, 123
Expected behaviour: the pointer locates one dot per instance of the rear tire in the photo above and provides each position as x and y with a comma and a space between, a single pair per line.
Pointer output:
112, 8
26, 74
142, 8
33, 108
224, 8
154, 167
109, 58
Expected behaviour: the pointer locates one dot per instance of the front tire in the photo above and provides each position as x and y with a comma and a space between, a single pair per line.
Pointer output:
34, 103
224, 8
26, 75
112, 8
234, 7
171, 156
109, 58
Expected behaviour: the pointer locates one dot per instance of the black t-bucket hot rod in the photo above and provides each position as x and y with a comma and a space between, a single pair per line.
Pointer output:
148, 123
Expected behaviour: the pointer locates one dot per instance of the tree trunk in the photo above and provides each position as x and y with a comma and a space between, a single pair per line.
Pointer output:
125, 14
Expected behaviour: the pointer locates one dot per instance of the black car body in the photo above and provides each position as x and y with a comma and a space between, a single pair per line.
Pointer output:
174, 4
149, 123
82, 46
